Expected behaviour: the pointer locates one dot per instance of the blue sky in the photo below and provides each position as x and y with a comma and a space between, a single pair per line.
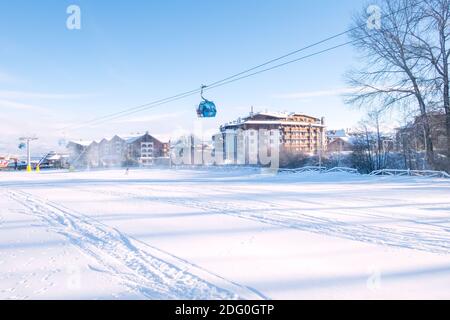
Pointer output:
131, 52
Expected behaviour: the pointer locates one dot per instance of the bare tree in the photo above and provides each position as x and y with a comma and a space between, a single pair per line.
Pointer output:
371, 147
375, 118
391, 75
362, 157
432, 45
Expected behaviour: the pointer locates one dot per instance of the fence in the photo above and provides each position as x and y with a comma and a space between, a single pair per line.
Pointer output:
411, 173
384, 172
317, 169
320, 170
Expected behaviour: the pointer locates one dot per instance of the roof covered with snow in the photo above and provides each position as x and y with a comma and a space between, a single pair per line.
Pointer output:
128, 138
280, 118
83, 143
279, 115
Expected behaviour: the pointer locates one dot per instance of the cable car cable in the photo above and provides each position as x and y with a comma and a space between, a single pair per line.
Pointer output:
230, 79
195, 92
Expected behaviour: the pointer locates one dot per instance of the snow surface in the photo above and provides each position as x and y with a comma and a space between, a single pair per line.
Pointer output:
222, 234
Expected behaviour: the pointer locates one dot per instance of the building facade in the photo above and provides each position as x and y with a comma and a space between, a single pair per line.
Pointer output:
412, 136
134, 150
244, 141
191, 150
339, 141
340, 144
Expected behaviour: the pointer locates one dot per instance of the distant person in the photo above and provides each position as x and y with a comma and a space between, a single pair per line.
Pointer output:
16, 165
127, 171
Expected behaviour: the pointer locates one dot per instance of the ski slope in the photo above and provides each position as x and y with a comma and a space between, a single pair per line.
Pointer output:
223, 234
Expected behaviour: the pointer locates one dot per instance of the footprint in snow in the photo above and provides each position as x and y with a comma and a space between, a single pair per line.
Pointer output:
97, 269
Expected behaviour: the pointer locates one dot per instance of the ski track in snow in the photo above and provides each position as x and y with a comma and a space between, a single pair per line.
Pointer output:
433, 238
142, 268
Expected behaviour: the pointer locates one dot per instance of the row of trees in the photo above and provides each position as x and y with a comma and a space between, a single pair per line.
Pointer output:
404, 70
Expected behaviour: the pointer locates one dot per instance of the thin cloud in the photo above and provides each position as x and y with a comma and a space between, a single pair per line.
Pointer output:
152, 118
7, 78
21, 106
316, 94
40, 95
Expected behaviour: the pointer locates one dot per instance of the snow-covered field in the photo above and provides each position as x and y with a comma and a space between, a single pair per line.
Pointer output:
216, 234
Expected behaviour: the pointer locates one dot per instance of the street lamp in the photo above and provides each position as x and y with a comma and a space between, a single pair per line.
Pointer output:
28, 140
